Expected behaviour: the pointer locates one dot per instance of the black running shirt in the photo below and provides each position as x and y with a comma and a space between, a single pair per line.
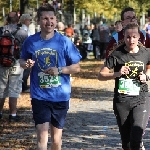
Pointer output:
137, 63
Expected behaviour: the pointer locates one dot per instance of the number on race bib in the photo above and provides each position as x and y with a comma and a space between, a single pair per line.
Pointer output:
48, 81
129, 86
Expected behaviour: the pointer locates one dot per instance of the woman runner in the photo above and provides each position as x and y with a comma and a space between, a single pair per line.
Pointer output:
131, 103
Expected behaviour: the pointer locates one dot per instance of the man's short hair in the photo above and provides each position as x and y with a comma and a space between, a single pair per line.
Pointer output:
125, 10
12, 17
44, 7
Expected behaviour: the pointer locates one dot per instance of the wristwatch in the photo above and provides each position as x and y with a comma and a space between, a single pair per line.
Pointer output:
60, 70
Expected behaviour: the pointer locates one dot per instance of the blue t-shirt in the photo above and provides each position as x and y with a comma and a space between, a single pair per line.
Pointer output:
148, 30
148, 27
58, 51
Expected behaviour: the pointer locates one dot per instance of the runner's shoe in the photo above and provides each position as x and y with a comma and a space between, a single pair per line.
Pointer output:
14, 118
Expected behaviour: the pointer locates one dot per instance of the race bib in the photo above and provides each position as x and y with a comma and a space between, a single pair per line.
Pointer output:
48, 81
129, 86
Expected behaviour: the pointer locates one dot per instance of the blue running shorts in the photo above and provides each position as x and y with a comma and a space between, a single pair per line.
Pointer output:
47, 111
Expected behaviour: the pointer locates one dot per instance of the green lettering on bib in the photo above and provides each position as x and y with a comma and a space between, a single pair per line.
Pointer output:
129, 86
48, 81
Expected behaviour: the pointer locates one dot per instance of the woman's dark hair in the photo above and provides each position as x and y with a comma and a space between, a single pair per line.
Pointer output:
132, 26
45, 7
125, 10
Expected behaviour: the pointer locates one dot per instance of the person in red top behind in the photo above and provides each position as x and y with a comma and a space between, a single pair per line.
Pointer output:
69, 32
128, 15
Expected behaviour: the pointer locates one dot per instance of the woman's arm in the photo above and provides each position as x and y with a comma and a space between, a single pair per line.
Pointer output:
105, 73
143, 77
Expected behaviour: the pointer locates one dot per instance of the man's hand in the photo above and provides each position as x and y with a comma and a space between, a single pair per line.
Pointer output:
53, 71
29, 63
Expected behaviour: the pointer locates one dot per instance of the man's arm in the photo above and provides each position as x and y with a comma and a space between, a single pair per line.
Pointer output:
74, 68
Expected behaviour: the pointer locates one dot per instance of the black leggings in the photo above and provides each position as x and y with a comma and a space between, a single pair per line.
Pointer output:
132, 118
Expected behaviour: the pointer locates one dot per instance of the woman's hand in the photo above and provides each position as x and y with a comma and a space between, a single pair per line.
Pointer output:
124, 70
142, 77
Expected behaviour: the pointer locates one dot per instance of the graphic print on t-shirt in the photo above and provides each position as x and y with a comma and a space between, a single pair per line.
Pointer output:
135, 68
130, 84
46, 58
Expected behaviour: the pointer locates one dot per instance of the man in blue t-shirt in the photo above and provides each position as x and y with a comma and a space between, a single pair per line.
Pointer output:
53, 57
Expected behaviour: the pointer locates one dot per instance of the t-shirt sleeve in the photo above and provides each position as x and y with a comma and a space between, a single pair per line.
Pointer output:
71, 52
110, 62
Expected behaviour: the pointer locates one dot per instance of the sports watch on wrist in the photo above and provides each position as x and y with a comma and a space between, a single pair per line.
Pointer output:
60, 70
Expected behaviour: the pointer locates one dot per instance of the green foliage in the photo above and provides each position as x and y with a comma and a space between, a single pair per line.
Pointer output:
35, 3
